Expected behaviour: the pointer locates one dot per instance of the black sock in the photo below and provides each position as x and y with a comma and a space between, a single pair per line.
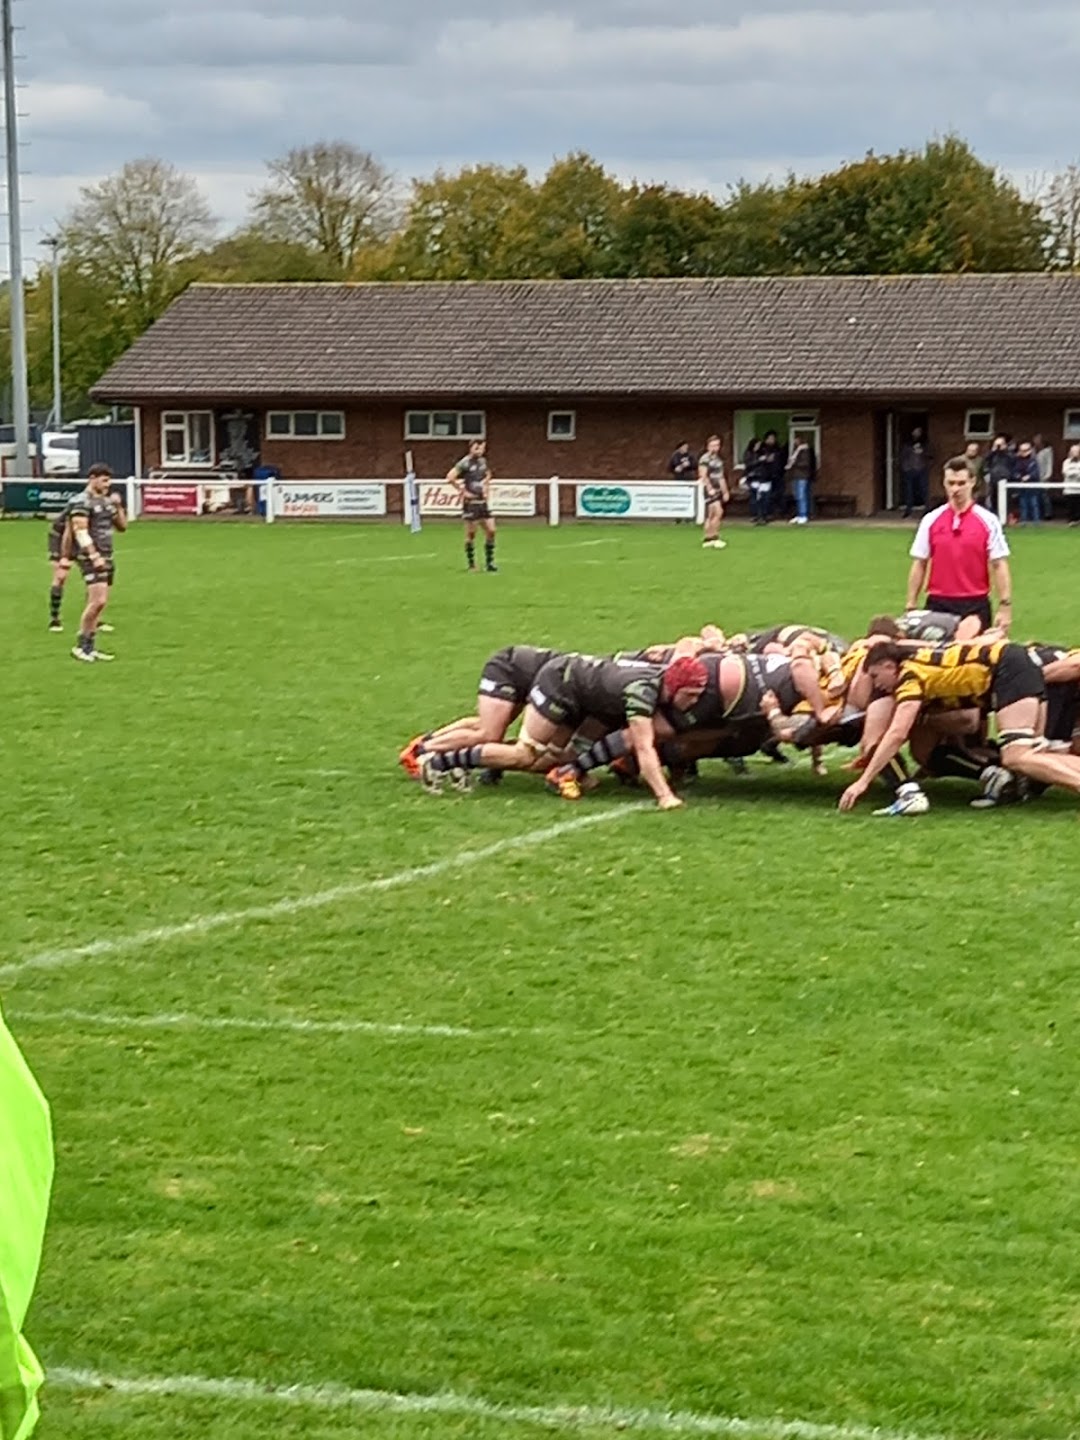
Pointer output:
56, 594
470, 553
86, 643
466, 759
489, 552
603, 752
953, 761
895, 774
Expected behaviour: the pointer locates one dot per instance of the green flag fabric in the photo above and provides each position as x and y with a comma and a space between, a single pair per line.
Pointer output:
26, 1171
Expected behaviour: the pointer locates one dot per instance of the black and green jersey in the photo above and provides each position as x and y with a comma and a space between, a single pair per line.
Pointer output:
98, 511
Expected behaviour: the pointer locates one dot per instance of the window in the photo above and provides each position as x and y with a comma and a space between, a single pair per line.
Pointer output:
562, 424
1071, 429
187, 437
444, 425
979, 425
305, 425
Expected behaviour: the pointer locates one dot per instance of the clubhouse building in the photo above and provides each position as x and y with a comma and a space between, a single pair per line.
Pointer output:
600, 380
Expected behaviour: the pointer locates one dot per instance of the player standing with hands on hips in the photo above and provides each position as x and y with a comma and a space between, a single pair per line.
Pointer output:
472, 477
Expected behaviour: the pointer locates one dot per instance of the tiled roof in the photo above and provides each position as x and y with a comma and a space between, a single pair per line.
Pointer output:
972, 335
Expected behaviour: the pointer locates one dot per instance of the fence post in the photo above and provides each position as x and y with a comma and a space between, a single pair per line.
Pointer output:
1003, 502
270, 483
553, 500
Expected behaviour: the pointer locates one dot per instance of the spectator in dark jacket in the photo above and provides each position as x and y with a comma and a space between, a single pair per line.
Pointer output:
915, 460
758, 482
683, 465
1026, 472
997, 470
773, 460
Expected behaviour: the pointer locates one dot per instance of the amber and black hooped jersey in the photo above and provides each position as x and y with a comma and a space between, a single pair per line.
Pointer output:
950, 673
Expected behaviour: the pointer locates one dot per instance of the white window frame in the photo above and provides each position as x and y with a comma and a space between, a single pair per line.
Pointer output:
320, 416
989, 432
171, 426
457, 434
571, 434
1070, 423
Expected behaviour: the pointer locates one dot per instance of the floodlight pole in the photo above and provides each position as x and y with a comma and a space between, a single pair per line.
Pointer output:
53, 242
20, 393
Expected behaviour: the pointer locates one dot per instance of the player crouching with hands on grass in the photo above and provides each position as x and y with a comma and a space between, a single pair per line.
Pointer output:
572, 689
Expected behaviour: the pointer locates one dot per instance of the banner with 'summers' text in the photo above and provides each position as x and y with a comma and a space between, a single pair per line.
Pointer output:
636, 500
329, 500
26, 1171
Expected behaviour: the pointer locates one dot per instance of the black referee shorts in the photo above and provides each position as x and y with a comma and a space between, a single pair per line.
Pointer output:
962, 605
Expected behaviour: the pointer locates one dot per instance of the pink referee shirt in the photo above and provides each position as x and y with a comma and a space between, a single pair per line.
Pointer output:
959, 548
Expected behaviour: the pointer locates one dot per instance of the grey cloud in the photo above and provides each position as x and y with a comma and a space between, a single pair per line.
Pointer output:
691, 91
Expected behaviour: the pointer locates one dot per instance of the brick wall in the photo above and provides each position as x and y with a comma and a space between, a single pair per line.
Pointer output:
628, 439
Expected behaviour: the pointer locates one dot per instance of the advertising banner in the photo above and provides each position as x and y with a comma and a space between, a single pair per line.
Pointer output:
638, 500
39, 497
170, 500
508, 498
321, 501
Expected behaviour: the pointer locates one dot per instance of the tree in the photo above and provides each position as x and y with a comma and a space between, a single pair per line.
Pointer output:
941, 210
1060, 203
130, 233
577, 214
475, 225
331, 198
248, 258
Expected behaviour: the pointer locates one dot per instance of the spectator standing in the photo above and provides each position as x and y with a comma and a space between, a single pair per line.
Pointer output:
1044, 454
801, 472
998, 470
757, 482
682, 466
915, 472
959, 553
974, 458
1026, 473
1070, 475
772, 464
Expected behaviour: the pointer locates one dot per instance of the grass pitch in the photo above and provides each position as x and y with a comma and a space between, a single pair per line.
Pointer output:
758, 1110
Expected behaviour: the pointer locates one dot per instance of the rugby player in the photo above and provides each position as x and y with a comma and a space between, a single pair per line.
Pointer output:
505, 682
61, 566
1000, 677
471, 477
929, 627
92, 517
715, 489
571, 689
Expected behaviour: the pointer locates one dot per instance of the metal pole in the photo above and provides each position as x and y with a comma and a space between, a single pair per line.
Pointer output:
53, 242
20, 394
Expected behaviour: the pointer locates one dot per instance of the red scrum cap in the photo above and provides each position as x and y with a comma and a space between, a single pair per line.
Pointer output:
684, 674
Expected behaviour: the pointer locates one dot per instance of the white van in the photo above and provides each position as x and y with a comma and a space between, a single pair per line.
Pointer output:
59, 453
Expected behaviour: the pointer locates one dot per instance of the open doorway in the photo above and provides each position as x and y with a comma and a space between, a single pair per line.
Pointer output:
907, 442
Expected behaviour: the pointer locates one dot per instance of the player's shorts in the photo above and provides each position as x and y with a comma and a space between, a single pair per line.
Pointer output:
56, 547
714, 497
475, 510
550, 697
92, 574
503, 679
962, 605
1016, 677
1062, 710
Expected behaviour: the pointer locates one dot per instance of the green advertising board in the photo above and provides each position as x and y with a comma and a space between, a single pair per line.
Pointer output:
38, 497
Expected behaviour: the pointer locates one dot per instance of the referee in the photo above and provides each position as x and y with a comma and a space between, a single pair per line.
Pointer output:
960, 553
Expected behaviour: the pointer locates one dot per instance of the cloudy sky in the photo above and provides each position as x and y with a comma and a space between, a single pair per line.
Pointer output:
693, 92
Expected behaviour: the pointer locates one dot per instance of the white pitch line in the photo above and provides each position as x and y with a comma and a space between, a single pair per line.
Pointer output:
183, 1021
204, 924
566, 1417
584, 544
384, 559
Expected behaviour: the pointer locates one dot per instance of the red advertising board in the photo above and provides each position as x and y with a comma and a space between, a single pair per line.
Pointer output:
170, 500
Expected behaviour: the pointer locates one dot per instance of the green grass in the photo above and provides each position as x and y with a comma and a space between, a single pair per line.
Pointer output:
766, 1111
